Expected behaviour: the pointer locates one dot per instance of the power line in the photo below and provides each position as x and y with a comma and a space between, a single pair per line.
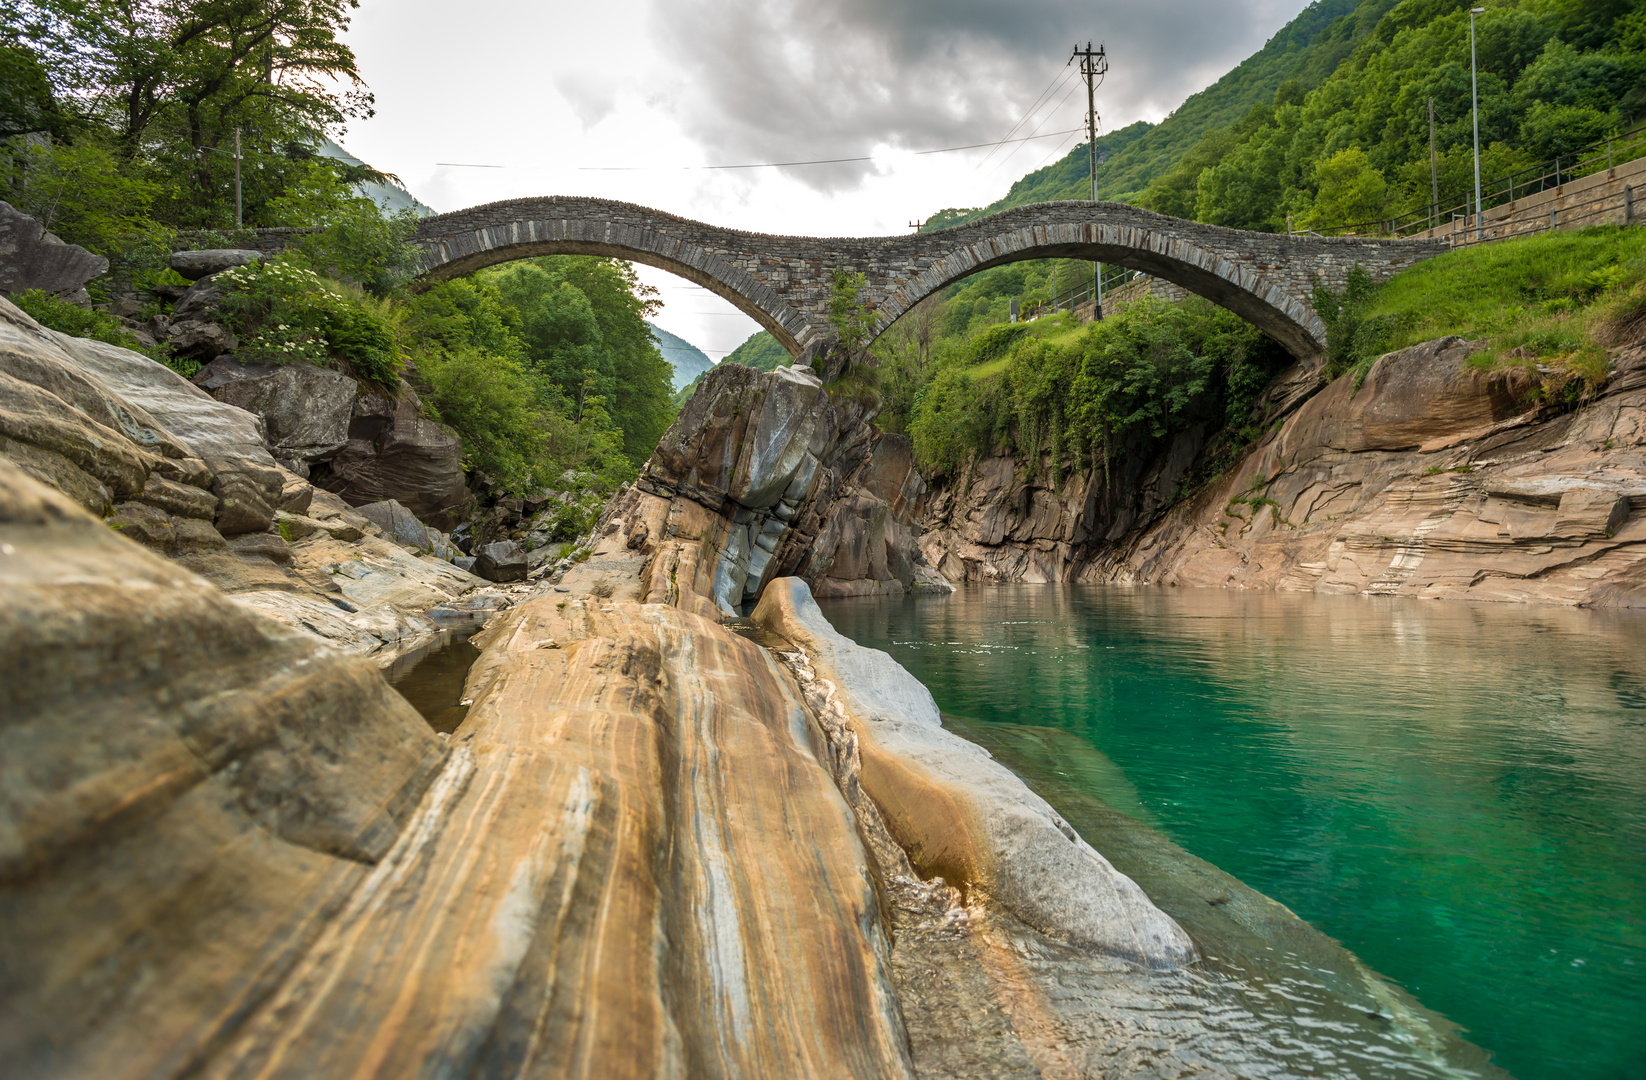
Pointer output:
820, 161
1051, 88
1044, 121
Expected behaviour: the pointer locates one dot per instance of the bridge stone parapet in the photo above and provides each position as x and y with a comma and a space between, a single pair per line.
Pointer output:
785, 282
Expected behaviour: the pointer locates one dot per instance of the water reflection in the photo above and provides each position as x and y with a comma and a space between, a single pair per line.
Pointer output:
432, 678
1457, 792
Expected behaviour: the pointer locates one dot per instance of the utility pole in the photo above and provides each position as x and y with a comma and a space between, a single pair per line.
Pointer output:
1093, 65
1474, 98
1434, 168
239, 218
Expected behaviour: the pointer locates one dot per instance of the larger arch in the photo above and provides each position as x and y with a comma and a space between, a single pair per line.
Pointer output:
784, 282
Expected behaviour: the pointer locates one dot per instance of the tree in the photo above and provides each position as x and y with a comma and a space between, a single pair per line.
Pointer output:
172, 79
1351, 191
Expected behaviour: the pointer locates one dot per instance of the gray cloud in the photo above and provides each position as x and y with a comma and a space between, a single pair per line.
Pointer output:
778, 80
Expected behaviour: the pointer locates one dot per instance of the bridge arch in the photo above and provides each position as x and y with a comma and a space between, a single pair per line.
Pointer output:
784, 282
1278, 307
528, 228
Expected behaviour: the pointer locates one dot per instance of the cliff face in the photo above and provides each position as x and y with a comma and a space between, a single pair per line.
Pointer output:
762, 476
1430, 480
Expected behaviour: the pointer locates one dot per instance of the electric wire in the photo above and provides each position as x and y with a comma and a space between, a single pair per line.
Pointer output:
790, 164
1044, 121
1051, 88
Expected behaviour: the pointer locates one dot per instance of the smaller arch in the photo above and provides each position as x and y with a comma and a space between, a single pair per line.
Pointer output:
1156, 247
450, 252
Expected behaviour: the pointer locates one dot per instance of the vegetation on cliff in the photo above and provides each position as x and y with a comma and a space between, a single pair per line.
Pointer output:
1059, 392
1549, 307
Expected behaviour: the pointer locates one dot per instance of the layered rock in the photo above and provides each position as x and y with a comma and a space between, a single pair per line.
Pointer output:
1430, 479
188, 793
762, 476
189, 477
395, 452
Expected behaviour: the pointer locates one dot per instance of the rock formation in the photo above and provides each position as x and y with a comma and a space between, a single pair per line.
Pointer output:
1430, 480
763, 476
653, 847
189, 477
32, 258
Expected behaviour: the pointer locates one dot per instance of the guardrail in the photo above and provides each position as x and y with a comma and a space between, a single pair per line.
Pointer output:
1602, 155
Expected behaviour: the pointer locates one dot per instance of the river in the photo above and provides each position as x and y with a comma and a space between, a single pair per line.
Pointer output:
1455, 792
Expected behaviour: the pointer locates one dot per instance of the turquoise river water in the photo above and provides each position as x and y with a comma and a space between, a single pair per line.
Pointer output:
1455, 792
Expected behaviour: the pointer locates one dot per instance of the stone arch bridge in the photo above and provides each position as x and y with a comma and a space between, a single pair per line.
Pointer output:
783, 282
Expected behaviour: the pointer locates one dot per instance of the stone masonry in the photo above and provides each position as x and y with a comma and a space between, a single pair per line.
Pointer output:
783, 282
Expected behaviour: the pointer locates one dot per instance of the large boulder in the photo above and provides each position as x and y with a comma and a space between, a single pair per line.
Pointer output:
780, 481
306, 410
32, 258
501, 561
395, 452
195, 265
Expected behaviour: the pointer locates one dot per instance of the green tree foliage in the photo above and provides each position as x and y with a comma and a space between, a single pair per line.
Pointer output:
850, 318
1125, 383
1349, 189
584, 330
356, 240
473, 368
1552, 77
171, 80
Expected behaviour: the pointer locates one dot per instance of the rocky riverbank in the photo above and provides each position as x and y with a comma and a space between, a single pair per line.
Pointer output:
1430, 480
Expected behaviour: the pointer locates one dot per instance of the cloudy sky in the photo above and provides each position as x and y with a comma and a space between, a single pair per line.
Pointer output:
635, 99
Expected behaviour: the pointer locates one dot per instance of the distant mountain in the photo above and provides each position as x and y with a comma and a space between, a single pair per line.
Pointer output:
391, 197
761, 352
687, 359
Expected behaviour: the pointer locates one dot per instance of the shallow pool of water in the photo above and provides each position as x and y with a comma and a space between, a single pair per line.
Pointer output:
1455, 792
432, 679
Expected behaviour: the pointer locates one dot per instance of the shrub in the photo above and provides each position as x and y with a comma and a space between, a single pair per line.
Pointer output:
285, 312
76, 321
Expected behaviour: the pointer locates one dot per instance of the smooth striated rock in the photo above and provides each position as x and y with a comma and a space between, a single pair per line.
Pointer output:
195, 265
188, 793
305, 409
584, 899
961, 815
32, 258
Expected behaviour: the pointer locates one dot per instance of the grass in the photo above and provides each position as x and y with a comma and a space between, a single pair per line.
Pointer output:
1549, 306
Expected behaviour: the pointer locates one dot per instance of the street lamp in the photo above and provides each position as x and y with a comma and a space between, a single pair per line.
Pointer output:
1474, 101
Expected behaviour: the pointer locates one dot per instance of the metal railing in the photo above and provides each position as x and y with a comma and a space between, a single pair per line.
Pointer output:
1585, 161
1467, 232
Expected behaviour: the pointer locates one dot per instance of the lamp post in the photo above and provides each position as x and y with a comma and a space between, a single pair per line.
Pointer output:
1474, 101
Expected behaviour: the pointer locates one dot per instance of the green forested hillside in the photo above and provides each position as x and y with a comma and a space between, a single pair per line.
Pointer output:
1307, 49
1554, 75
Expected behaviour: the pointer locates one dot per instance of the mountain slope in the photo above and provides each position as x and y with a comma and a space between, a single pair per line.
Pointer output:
687, 360
1307, 49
